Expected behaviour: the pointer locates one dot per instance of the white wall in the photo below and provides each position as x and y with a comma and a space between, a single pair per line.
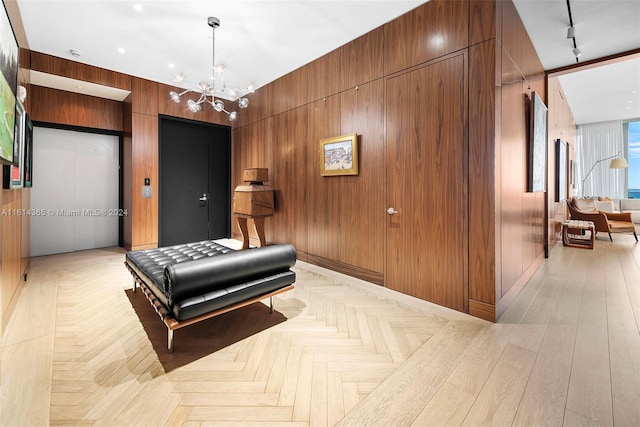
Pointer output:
74, 199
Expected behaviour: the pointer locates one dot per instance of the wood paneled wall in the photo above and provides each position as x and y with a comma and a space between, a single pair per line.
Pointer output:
73, 109
562, 126
338, 222
14, 224
521, 215
343, 217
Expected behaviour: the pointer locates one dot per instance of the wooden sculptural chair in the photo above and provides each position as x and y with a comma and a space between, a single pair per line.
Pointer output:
608, 222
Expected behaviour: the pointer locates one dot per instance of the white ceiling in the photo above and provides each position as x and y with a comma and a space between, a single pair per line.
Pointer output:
261, 40
602, 28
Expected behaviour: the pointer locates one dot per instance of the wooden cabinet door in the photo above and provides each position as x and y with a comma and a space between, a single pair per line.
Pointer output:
426, 171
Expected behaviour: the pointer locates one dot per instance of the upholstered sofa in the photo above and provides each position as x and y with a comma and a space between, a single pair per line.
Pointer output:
599, 212
191, 282
606, 204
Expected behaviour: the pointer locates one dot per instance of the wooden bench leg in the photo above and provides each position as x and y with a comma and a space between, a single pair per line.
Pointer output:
170, 340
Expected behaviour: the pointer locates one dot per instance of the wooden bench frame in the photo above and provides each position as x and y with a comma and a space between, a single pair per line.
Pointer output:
173, 324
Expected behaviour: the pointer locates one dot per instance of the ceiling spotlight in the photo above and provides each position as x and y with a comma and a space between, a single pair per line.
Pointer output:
577, 52
571, 32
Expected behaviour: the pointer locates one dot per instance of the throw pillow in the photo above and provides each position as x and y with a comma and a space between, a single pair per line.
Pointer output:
605, 206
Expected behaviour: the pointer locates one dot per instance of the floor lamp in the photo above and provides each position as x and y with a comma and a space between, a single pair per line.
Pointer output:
617, 162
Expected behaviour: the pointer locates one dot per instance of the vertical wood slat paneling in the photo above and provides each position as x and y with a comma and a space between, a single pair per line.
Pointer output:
482, 180
260, 106
402, 49
290, 91
252, 147
426, 181
429, 31
11, 245
484, 21
362, 59
325, 81
75, 70
513, 182
362, 197
163, 104
517, 44
561, 126
127, 177
73, 109
290, 173
144, 157
324, 196
144, 96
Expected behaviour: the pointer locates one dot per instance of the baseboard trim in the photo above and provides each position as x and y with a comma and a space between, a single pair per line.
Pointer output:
350, 270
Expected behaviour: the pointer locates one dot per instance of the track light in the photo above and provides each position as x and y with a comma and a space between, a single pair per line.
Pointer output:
577, 52
571, 32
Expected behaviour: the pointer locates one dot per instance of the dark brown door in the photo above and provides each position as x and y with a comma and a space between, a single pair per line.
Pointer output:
427, 231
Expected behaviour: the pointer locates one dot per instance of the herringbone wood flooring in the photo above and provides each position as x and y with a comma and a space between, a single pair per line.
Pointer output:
82, 349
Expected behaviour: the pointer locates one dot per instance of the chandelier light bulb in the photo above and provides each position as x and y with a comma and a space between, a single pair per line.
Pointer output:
243, 102
175, 97
218, 105
232, 116
179, 78
193, 106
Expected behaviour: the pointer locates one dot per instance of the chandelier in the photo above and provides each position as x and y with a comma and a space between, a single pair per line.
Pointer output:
209, 91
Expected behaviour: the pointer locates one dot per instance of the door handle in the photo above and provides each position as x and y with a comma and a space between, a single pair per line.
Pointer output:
392, 211
203, 199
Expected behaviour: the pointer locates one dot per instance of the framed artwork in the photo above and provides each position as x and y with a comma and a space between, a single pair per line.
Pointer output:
339, 155
561, 171
8, 88
572, 173
27, 175
537, 181
13, 174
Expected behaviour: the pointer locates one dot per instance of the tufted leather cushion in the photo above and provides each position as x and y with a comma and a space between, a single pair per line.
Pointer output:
195, 278
149, 264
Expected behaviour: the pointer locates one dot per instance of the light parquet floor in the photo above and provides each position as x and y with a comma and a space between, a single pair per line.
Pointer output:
82, 349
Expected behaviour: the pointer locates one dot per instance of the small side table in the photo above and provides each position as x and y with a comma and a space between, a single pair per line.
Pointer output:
569, 238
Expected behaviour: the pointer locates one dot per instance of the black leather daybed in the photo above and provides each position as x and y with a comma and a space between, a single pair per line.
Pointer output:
191, 282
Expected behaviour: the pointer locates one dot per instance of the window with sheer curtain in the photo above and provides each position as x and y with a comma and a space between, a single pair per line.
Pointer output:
632, 134
595, 142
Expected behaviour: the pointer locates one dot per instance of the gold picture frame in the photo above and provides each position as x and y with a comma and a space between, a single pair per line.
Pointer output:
339, 155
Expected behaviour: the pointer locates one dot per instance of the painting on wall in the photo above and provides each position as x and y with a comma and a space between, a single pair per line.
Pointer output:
8, 88
27, 175
561, 171
339, 155
537, 164
13, 174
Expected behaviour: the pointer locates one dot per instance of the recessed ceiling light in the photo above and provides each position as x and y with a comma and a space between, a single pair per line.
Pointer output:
121, 50
172, 65
137, 7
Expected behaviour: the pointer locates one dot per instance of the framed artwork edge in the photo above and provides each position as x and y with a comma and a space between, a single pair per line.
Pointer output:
339, 155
